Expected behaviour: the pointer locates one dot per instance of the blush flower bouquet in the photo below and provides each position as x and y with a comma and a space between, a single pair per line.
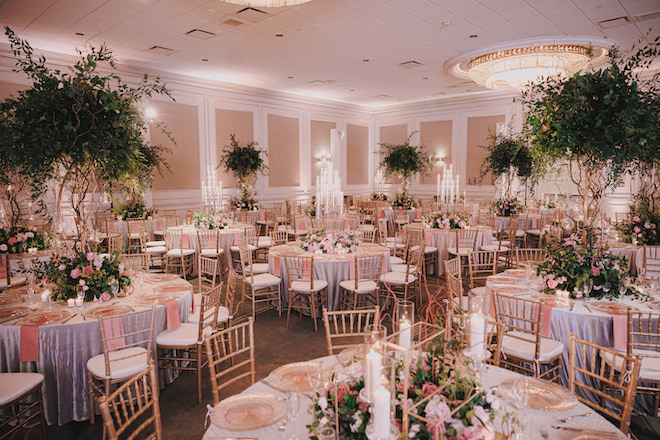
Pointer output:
211, 220
506, 207
641, 225
20, 239
451, 220
322, 242
95, 273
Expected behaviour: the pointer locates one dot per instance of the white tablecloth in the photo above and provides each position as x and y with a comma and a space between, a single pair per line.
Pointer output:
65, 348
444, 239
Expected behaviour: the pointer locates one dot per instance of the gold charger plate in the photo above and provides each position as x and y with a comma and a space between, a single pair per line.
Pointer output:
610, 307
503, 279
150, 300
554, 300
9, 300
512, 289
248, 412
45, 318
582, 434
103, 311
173, 289
516, 272
542, 395
9, 313
350, 354
655, 305
293, 377
164, 277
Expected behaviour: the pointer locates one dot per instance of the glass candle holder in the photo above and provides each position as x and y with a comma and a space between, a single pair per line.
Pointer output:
405, 316
476, 325
374, 346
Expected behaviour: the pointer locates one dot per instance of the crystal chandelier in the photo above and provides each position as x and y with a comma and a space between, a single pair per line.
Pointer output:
329, 196
513, 67
267, 3
212, 190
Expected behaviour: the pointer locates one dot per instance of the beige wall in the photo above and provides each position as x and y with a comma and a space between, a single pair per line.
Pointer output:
357, 155
283, 151
436, 137
8, 89
393, 134
181, 120
228, 122
479, 128
320, 140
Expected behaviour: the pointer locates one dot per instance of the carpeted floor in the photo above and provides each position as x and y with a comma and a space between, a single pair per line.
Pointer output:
182, 417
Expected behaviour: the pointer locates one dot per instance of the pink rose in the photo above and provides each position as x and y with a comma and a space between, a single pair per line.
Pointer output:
90, 256
75, 273
61, 267
636, 218
3, 247
87, 270
429, 388
12, 241
552, 284
637, 229
595, 271
105, 296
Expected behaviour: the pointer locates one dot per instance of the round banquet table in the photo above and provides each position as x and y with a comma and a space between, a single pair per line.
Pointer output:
333, 268
583, 319
65, 348
122, 226
633, 253
444, 239
390, 215
492, 378
227, 238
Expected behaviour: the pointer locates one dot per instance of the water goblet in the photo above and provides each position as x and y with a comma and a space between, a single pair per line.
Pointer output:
294, 405
114, 287
622, 289
588, 286
141, 276
327, 433
30, 288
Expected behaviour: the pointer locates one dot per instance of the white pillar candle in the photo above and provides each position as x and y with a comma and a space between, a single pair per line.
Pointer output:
477, 334
372, 372
79, 302
71, 302
405, 334
381, 410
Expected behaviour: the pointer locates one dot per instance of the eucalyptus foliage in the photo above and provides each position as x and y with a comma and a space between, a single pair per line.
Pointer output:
80, 127
243, 161
604, 122
403, 160
507, 156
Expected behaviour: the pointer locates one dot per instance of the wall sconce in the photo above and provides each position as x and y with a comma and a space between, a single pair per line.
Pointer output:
150, 113
323, 159
437, 161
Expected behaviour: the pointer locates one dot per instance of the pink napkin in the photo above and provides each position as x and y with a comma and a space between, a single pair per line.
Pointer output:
384, 268
184, 241
382, 213
428, 238
276, 265
159, 225
237, 236
418, 214
307, 264
620, 331
489, 292
111, 226
301, 224
113, 327
192, 303
244, 216
351, 269
546, 325
173, 321
347, 223
534, 222
262, 215
485, 239
29, 343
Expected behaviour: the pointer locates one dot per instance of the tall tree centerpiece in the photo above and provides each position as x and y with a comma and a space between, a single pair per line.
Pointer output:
600, 122
245, 163
79, 128
404, 161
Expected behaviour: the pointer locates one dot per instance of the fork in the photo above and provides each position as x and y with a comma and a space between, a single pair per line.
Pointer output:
544, 432
577, 416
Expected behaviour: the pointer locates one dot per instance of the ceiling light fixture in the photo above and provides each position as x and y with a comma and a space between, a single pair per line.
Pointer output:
267, 3
513, 67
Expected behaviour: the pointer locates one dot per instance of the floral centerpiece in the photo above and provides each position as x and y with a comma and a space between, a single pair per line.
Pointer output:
95, 273
380, 197
20, 239
323, 242
404, 200
133, 208
211, 220
311, 210
245, 201
506, 207
572, 261
447, 394
640, 226
447, 220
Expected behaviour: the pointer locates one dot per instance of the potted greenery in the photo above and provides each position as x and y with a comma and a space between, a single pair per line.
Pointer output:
508, 158
80, 129
404, 161
245, 163
600, 122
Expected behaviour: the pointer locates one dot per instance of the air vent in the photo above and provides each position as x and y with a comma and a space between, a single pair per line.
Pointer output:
649, 16
317, 82
252, 14
161, 50
613, 22
233, 23
382, 96
410, 64
200, 34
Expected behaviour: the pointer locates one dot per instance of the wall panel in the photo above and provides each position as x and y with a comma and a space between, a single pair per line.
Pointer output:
357, 155
283, 151
228, 122
320, 142
478, 130
436, 138
393, 134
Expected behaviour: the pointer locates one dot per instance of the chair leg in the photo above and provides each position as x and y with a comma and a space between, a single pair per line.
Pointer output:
199, 373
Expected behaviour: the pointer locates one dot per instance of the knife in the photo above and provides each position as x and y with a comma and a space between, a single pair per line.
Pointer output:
587, 431
70, 317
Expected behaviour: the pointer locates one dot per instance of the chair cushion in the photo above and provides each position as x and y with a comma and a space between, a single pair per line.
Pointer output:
550, 348
461, 251
120, 368
223, 315
156, 250
363, 285
156, 243
257, 268
180, 252
263, 280
403, 268
250, 247
397, 278
430, 249
397, 260
265, 241
212, 252
14, 385
650, 369
303, 286
494, 247
184, 336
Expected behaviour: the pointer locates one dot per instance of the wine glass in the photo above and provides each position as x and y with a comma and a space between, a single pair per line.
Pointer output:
622, 289
588, 285
314, 377
641, 274
30, 288
294, 405
80, 292
141, 276
327, 433
114, 287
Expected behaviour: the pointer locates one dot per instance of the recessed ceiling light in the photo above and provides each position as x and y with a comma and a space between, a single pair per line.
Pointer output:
352, 90
205, 59
279, 35
446, 23
365, 60
426, 77
474, 36
80, 34
290, 77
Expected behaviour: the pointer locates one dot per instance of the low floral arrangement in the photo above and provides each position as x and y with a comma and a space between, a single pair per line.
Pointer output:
211, 220
455, 407
506, 207
548, 203
245, 201
92, 271
640, 226
323, 242
450, 220
21, 239
572, 261
311, 210
404, 200
380, 197
133, 208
